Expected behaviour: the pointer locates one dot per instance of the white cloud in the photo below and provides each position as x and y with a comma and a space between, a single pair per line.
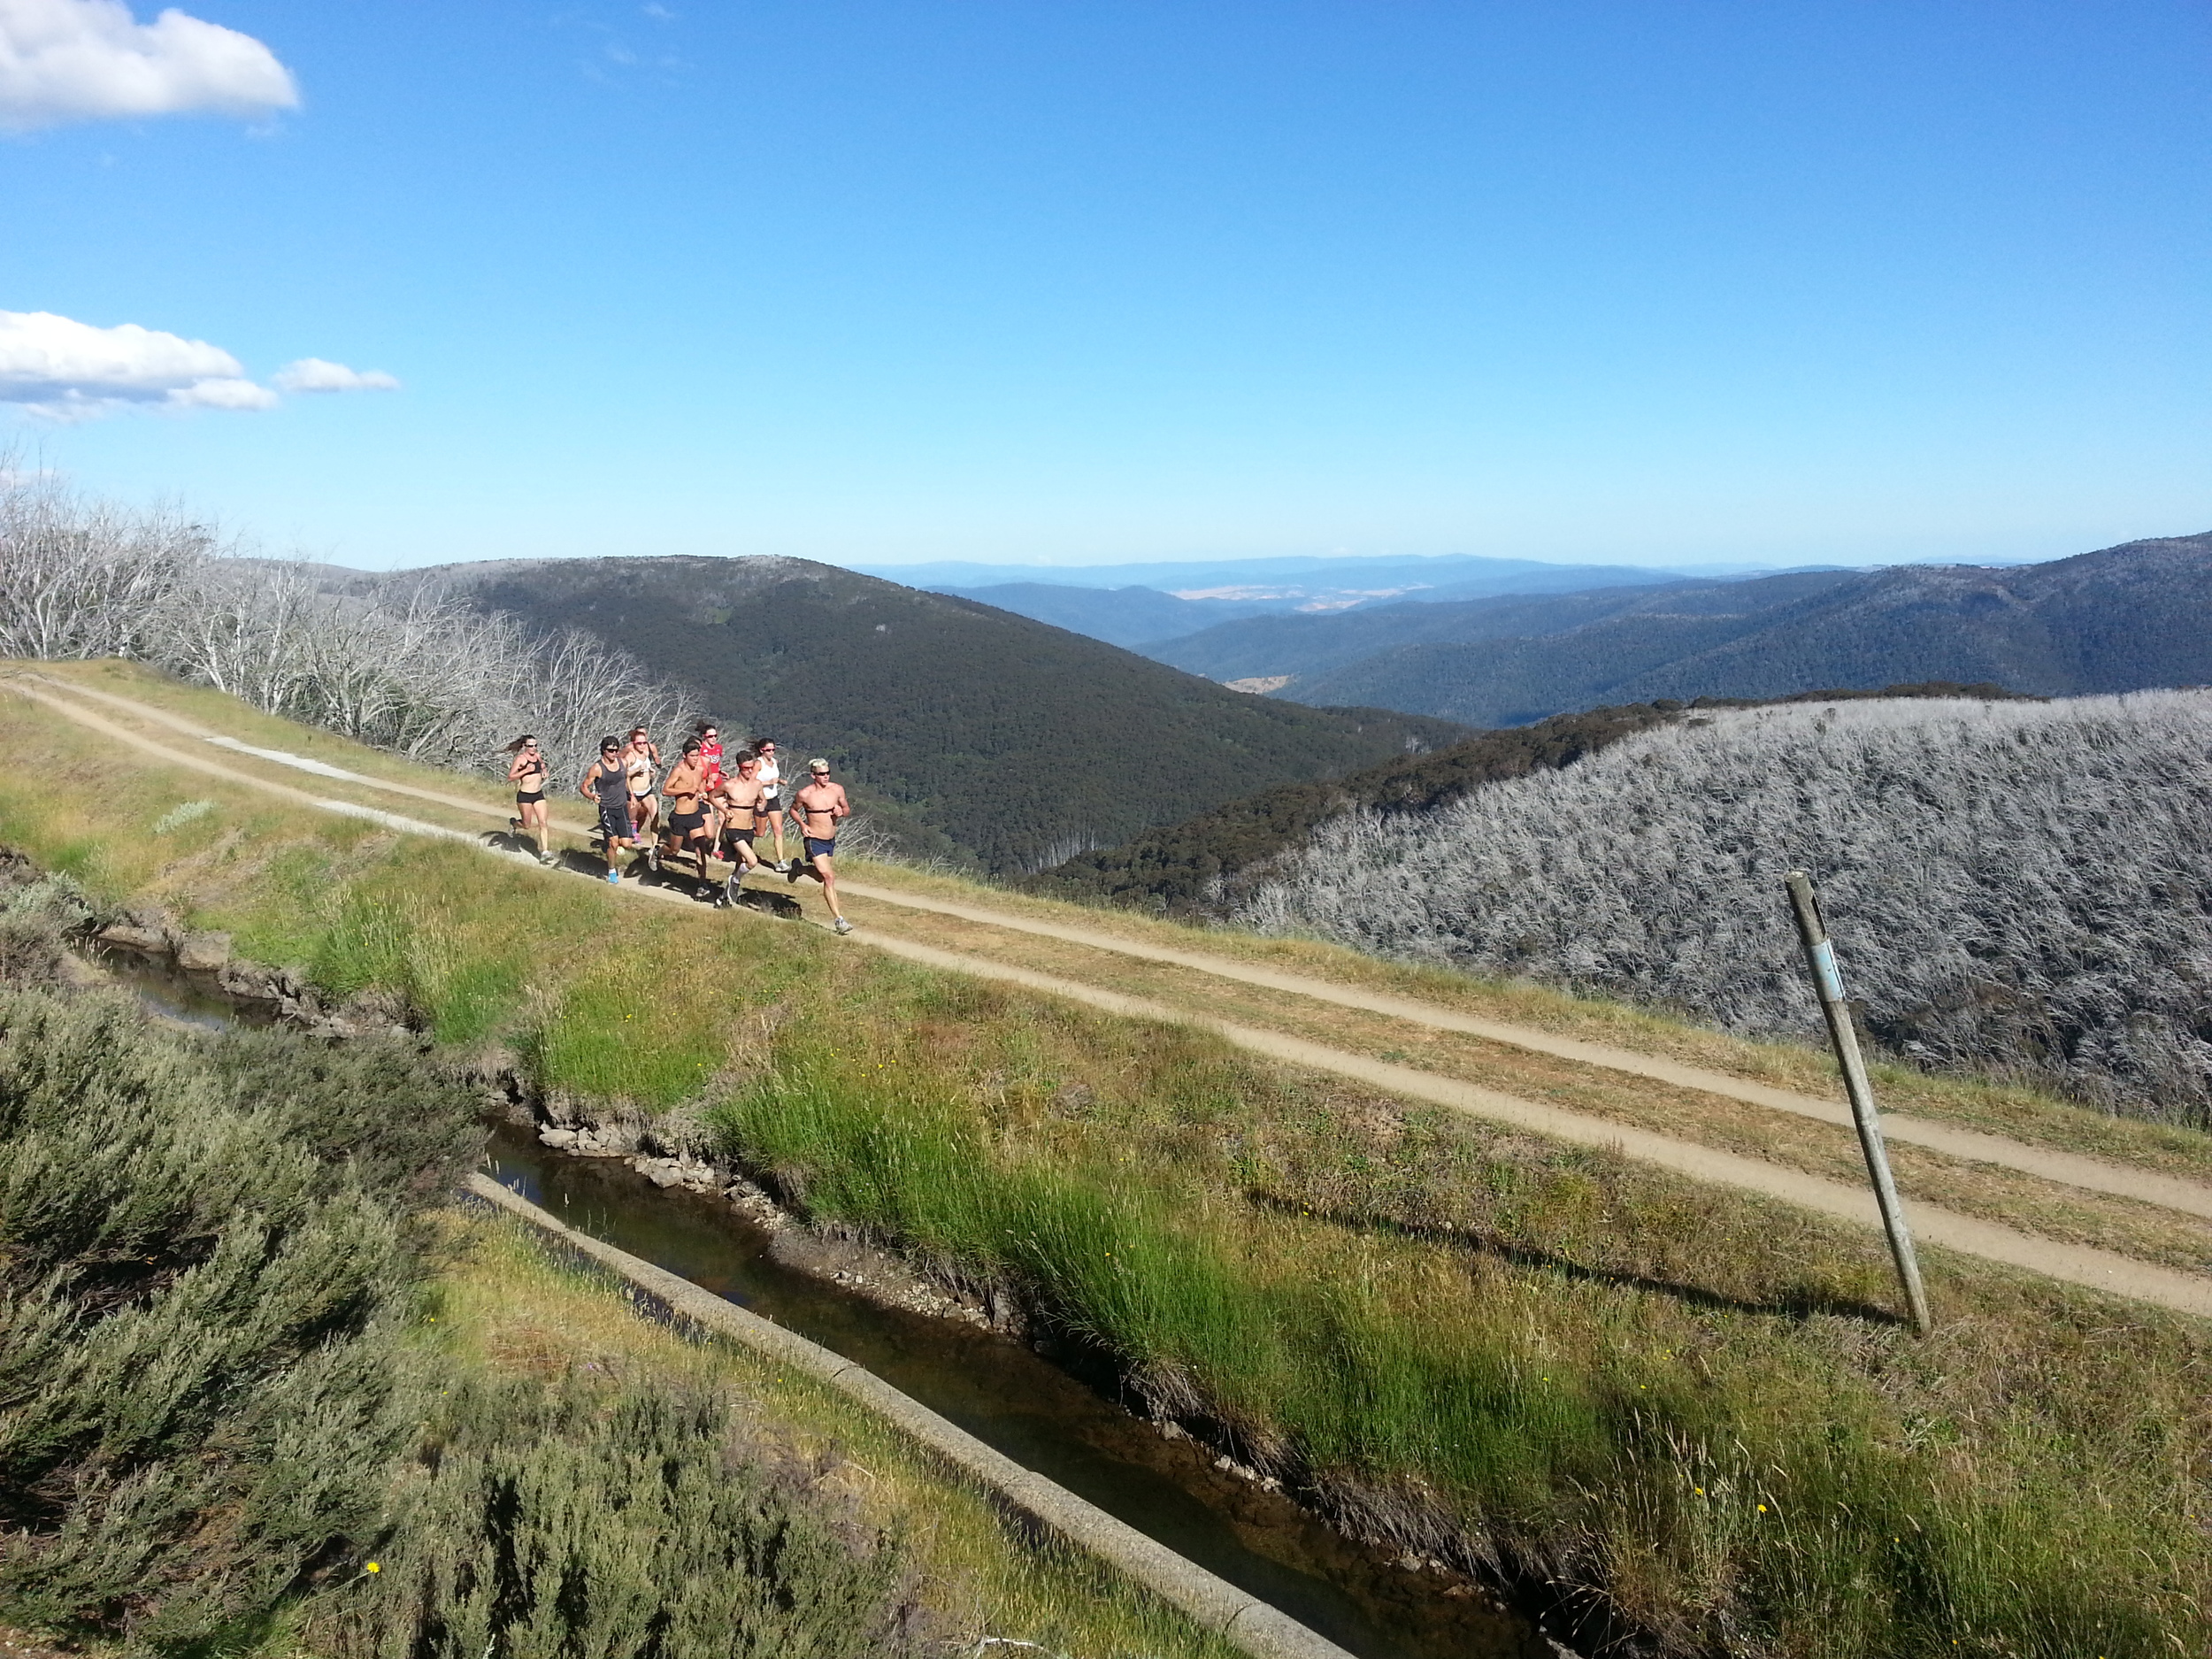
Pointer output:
62, 367
314, 374
67, 60
228, 393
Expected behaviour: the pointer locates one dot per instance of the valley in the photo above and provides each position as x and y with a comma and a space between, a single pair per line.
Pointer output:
995, 743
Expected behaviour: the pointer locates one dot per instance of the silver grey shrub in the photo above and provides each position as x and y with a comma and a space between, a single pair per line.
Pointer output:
2014, 887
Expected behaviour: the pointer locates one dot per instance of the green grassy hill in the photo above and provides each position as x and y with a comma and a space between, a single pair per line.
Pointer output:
971, 733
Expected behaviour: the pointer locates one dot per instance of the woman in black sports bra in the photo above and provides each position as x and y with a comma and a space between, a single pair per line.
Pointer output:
529, 774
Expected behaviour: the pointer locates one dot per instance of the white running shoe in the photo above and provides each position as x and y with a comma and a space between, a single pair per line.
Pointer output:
844, 926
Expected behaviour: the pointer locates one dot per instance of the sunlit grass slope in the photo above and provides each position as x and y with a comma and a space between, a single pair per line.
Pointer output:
1681, 1408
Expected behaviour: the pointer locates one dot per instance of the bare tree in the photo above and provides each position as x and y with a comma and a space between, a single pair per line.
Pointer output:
81, 578
412, 667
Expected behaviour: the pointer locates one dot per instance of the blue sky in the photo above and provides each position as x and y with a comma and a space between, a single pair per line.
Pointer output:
1079, 283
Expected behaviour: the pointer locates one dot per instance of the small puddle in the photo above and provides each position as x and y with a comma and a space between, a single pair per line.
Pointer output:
1008, 1397
993, 1386
186, 999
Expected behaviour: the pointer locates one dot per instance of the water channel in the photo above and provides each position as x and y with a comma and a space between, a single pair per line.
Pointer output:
1000, 1391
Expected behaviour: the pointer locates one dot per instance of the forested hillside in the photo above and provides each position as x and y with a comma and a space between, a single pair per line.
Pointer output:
2022, 885
1207, 865
971, 733
2124, 618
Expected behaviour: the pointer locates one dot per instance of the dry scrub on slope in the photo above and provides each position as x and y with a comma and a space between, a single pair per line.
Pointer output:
2015, 887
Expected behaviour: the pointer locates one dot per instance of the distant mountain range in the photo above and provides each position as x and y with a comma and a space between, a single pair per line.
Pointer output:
2123, 619
973, 735
1139, 605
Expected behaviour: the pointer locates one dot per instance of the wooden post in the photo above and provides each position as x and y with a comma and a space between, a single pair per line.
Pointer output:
1828, 983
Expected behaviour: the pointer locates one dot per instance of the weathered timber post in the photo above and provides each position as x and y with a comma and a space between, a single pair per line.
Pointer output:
1828, 983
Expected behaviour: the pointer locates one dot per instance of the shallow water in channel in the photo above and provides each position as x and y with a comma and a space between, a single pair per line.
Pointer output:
991, 1386
1010, 1398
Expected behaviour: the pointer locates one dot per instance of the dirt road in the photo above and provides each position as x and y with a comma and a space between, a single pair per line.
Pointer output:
154, 733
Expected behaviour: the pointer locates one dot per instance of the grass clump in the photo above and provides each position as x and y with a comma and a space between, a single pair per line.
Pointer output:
177, 817
1541, 1360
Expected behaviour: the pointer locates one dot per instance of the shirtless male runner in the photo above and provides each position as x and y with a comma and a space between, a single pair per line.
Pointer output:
820, 808
685, 789
739, 798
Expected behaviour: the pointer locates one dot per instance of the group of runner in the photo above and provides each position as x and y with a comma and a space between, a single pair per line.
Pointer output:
716, 804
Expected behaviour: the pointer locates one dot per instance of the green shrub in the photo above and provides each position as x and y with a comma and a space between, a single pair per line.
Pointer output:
581, 1522
200, 1385
36, 921
209, 1409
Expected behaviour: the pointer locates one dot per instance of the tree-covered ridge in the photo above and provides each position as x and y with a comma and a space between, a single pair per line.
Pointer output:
2124, 618
973, 735
1208, 863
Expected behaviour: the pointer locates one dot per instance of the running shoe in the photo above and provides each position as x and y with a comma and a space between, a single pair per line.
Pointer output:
783, 866
548, 860
614, 878
844, 926
730, 888
653, 857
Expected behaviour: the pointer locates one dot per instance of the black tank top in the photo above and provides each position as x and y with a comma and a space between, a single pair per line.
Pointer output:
610, 784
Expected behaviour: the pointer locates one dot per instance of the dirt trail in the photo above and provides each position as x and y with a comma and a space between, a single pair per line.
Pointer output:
2100, 1269
2072, 1169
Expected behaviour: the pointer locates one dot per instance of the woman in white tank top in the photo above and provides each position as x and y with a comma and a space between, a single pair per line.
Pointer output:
770, 779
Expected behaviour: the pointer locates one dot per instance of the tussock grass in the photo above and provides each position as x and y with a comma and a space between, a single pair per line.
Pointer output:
1584, 1369
1580, 1371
